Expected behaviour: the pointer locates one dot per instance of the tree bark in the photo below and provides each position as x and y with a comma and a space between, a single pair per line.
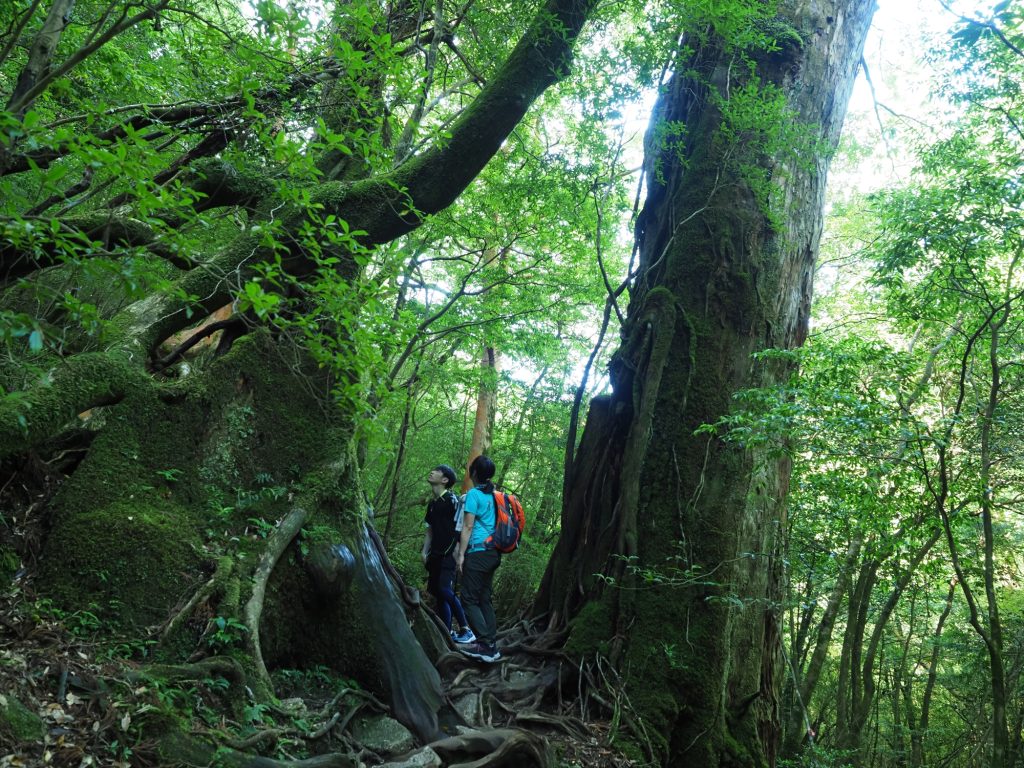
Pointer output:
795, 732
718, 280
921, 727
483, 422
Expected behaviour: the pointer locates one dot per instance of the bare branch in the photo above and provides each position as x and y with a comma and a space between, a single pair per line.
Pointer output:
878, 116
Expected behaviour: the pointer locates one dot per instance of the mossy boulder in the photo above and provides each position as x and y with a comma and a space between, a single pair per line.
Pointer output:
383, 735
18, 723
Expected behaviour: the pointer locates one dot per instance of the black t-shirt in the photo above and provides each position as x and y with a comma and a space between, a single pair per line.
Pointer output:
441, 517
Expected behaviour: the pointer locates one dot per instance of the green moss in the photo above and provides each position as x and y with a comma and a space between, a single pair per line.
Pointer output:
9, 563
173, 481
301, 630
126, 558
590, 631
18, 723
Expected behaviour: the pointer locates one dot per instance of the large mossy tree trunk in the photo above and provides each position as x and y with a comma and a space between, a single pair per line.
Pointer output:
727, 241
220, 509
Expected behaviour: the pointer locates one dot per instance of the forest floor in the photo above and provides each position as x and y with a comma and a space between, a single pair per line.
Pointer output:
70, 700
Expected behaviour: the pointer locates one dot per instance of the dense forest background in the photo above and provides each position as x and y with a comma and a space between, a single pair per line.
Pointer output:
264, 265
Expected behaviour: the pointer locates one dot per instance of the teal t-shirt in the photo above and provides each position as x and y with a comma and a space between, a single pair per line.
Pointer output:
481, 506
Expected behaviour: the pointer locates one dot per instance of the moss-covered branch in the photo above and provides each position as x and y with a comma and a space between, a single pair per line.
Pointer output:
386, 208
71, 387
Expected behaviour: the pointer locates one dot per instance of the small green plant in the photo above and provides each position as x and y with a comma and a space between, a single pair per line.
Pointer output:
83, 623
263, 528
216, 683
673, 656
257, 714
126, 648
169, 475
120, 750
225, 632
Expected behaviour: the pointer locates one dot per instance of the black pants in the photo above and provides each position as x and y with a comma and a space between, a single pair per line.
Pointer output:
477, 577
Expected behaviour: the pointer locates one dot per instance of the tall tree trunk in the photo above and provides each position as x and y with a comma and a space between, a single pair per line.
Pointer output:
487, 391
719, 279
921, 727
483, 423
795, 731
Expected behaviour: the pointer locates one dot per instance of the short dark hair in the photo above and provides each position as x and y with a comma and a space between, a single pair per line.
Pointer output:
448, 472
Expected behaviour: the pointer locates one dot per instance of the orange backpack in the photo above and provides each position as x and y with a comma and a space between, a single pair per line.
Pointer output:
509, 522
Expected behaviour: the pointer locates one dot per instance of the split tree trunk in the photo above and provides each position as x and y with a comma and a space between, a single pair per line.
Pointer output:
717, 282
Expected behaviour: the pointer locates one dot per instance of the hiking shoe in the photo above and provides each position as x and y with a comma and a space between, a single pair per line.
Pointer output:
482, 651
465, 637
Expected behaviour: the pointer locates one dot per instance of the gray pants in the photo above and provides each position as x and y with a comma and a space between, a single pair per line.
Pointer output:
477, 577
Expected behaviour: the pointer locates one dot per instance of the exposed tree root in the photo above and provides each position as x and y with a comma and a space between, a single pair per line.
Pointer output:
214, 666
571, 726
497, 748
277, 542
179, 749
224, 568
260, 740
526, 690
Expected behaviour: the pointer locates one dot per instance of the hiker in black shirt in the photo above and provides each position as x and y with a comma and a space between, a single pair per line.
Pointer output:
444, 523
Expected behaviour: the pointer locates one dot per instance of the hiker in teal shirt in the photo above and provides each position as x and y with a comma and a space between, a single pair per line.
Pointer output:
478, 562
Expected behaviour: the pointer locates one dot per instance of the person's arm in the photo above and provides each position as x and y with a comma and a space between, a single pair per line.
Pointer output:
427, 539
468, 518
467, 530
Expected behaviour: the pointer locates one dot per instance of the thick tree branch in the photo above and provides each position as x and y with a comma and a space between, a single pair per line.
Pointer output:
22, 99
40, 55
232, 323
389, 207
72, 386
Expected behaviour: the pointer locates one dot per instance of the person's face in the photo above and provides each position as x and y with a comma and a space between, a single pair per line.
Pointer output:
436, 480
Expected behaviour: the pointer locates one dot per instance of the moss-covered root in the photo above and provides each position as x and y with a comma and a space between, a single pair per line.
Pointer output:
18, 723
216, 584
75, 385
177, 749
214, 666
276, 545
